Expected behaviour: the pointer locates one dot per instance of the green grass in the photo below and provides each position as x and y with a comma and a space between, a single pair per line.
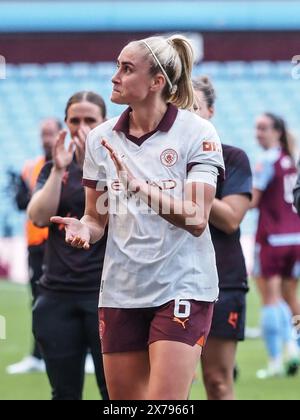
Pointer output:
14, 306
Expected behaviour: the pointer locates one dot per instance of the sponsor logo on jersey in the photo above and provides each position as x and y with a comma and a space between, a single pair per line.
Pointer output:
117, 186
169, 157
209, 146
163, 185
168, 184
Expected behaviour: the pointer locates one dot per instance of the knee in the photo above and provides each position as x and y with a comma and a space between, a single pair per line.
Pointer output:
219, 384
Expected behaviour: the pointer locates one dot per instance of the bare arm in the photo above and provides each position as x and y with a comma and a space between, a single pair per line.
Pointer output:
92, 219
44, 204
190, 214
256, 198
227, 214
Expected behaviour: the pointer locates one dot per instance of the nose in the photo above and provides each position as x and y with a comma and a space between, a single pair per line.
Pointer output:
116, 78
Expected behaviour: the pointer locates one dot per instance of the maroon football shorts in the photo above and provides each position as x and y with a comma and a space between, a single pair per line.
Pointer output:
128, 330
281, 261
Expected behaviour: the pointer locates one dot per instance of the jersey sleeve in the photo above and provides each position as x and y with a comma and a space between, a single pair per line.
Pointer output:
264, 172
94, 174
205, 160
238, 176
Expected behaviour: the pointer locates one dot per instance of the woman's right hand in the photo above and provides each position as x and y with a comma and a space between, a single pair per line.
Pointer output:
62, 157
77, 234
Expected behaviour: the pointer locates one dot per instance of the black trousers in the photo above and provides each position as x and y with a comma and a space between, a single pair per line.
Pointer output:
35, 263
66, 326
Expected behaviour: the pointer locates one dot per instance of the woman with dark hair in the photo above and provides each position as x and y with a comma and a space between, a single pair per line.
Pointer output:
277, 267
65, 321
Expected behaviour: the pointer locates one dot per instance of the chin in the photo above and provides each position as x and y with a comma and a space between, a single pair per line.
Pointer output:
116, 98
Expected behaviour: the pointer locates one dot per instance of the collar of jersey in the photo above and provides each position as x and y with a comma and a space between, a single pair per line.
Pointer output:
164, 126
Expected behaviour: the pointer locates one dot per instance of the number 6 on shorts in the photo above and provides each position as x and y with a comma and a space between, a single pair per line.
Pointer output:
179, 306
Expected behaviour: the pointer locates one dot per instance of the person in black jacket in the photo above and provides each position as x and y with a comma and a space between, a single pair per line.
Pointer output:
65, 315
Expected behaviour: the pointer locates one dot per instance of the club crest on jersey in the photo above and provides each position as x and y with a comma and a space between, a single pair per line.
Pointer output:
169, 157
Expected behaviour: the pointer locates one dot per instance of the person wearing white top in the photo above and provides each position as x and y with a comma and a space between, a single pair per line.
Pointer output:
152, 173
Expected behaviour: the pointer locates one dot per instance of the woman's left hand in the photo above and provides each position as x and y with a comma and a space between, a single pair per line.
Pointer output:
79, 141
125, 176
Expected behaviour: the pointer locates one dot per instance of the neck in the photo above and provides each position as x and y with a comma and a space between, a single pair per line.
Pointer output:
275, 144
146, 117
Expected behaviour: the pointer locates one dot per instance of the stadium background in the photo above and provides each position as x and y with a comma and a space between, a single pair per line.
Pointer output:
53, 49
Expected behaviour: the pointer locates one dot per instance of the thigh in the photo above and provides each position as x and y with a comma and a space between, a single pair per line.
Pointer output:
127, 375
218, 358
270, 289
173, 365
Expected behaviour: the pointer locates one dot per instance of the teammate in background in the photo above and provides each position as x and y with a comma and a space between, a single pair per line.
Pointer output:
36, 237
65, 320
229, 208
277, 244
160, 279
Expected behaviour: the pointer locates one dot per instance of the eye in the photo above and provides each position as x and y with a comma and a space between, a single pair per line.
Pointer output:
127, 69
90, 121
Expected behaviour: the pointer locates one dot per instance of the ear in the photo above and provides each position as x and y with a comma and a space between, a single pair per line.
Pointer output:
211, 111
158, 83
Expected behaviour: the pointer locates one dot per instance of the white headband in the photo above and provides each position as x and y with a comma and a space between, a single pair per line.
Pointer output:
173, 89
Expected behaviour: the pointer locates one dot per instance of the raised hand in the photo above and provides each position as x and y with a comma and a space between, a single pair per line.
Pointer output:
79, 141
62, 157
77, 234
124, 173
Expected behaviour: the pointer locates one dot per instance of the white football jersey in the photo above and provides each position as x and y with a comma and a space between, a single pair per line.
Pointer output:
148, 261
